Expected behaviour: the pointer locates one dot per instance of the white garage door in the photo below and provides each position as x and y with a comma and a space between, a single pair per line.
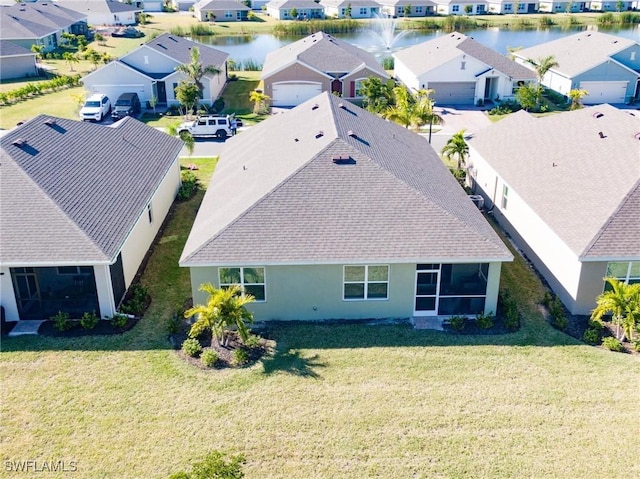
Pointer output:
114, 91
292, 94
453, 93
604, 91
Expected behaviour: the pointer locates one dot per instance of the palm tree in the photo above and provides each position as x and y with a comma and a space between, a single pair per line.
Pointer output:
400, 113
542, 66
260, 101
456, 146
70, 58
623, 302
412, 110
225, 309
423, 112
195, 70
576, 95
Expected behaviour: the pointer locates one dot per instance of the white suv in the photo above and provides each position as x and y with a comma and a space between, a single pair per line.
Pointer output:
207, 125
96, 107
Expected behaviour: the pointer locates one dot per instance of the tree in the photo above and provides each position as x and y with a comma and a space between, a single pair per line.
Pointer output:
187, 93
468, 8
188, 140
211, 17
456, 146
293, 13
260, 102
542, 66
70, 58
412, 110
400, 111
347, 11
99, 37
576, 95
423, 111
569, 7
38, 49
527, 96
225, 309
406, 10
619, 6
622, 301
195, 70
378, 96
93, 56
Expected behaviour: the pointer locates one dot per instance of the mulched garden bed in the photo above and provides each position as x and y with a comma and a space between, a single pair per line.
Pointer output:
103, 328
471, 328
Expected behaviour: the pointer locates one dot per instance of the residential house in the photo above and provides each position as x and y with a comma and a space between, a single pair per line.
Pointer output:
396, 8
459, 70
350, 8
460, 7
80, 205
104, 12
43, 24
150, 71
17, 61
294, 9
573, 206
320, 62
553, 6
220, 11
612, 6
607, 66
332, 212
508, 7
182, 5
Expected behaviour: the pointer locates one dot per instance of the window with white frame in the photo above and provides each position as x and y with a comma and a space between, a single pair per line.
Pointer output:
626, 271
508, 7
228, 14
363, 11
455, 8
479, 9
251, 280
366, 282
357, 88
419, 9
505, 196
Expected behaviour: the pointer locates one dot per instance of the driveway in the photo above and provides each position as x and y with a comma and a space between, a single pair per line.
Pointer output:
456, 119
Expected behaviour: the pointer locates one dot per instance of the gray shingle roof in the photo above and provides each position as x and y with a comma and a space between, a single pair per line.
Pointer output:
73, 192
179, 49
35, 20
431, 54
278, 4
10, 49
322, 52
286, 200
220, 5
353, 3
98, 6
578, 53
584, 187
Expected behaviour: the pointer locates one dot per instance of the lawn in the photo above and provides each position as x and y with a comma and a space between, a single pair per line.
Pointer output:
61, 104
335, 401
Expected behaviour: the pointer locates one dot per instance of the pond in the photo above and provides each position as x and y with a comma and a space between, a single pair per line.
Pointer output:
254, 48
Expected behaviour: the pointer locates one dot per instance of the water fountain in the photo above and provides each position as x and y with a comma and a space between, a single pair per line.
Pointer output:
384, 30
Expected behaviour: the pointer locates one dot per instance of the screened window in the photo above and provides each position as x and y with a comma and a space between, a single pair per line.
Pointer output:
625, 271
366, 282
508, 7
228, 14
418, 9
251, 280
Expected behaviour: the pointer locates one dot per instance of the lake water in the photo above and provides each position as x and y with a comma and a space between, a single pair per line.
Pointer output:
256, 47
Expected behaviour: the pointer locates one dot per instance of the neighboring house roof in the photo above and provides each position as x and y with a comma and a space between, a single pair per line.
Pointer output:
431, 54
9, 49
73, 191
35, 20
205, 5
321, 52
179, 49
402, 3
298, 4
99, 6
353, 3
280, 195
578, 53
582, 185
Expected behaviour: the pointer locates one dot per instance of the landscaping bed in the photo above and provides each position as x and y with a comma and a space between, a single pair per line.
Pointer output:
105, 327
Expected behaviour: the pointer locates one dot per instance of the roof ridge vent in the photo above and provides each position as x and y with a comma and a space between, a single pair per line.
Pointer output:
19, 142
320, 134
315, 106
598, 114
50, 122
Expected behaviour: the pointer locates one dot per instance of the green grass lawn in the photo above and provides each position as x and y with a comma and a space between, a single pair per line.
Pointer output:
335, 401
61, 104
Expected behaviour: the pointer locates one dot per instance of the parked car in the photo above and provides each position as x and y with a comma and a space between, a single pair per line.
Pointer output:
128, 32
96, 107
207, 125
128, 104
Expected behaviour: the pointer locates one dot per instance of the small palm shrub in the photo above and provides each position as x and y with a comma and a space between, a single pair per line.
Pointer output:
252, 341
209, 357
119, 321
612, 344
191, 347
457, 323
61, 321
484, 321
240, 357
591, 336
89, 320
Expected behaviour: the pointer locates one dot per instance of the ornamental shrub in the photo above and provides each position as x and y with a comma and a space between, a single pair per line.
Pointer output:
484, 321
209, 357
612, 344
89, 320
240, 357
591, 336
61, 321
457, 323
191, 347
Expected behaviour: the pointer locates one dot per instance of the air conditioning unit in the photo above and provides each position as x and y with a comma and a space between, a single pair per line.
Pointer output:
478, 200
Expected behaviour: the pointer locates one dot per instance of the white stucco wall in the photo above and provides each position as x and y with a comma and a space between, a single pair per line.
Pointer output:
7, 296
139, 240
148, 60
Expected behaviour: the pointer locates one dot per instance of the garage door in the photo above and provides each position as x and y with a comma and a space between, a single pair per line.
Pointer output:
604, 91
453, 93
292, 94
114, 91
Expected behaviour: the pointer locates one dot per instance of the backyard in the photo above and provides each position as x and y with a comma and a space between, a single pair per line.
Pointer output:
334, 400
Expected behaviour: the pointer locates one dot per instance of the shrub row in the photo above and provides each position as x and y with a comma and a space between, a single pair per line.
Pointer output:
34, 89
89, 320
556, 311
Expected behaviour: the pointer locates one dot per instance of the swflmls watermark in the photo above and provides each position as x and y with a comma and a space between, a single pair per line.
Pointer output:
38, 465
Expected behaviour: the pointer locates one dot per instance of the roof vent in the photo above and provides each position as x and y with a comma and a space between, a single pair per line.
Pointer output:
315, 106
320, 134
19, 142
341, 105
352, 134
50, 122
171, 38
296, 140
343, 160
637, 136
601, 135
598, 114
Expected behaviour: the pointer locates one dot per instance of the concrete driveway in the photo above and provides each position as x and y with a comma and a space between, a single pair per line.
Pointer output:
455, 119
